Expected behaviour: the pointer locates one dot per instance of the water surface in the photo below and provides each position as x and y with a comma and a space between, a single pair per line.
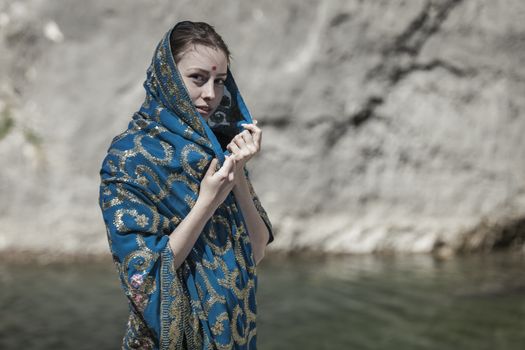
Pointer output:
361, 302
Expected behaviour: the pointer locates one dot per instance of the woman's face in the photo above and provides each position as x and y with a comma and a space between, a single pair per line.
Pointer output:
203, 70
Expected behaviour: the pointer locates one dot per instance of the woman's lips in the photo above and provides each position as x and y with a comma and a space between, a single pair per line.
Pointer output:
204, 110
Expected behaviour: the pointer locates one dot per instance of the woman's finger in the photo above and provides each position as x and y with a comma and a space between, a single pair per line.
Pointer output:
234, 149
212, 168
228, 166
245, 150
256, 133
247, 137
239, 140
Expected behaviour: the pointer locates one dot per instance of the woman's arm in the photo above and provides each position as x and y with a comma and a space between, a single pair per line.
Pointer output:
257, 230
215, 187
243, 147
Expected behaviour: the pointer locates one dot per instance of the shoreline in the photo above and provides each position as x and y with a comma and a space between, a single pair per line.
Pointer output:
47, 257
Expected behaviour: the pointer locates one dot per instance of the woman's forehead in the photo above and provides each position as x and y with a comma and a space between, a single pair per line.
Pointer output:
204, 57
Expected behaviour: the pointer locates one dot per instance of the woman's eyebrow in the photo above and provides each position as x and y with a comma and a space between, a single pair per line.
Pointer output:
201, 70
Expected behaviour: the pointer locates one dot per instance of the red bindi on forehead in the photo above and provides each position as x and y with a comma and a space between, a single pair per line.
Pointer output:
213, 67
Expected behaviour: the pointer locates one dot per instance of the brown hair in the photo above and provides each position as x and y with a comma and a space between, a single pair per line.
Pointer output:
187, 33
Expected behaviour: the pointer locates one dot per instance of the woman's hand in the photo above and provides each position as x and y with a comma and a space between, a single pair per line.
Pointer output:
217, 184
215, 187
245, 145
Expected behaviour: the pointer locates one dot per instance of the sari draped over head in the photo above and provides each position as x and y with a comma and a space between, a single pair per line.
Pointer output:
150, 180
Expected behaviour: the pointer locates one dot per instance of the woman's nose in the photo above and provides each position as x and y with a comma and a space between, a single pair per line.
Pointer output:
209, 90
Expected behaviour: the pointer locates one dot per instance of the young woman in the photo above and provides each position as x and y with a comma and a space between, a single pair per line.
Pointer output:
184, 225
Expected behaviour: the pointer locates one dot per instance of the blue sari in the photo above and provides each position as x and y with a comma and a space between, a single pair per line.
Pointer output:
150, 180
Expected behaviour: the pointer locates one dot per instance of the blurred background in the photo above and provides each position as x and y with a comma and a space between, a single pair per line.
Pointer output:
394, 130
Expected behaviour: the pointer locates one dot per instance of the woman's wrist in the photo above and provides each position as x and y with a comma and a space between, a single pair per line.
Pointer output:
206, 207
240, 179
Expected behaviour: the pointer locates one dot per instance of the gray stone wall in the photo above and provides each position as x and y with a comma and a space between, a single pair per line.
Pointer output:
389, 126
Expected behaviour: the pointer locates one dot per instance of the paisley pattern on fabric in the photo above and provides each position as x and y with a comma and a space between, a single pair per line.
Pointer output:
150, 180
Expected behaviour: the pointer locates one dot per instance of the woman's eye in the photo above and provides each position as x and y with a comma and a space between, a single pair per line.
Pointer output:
198, 79
219, 81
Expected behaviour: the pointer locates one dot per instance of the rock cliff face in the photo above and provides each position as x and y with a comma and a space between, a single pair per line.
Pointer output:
388, 125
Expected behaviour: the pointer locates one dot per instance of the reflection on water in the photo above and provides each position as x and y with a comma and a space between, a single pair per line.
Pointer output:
304, 303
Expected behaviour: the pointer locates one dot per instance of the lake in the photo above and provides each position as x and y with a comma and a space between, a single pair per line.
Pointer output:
304, 302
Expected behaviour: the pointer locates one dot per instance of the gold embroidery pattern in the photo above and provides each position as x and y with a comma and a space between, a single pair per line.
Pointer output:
186, 161
172, 333
193, 186
137, 334
167, 149
166, 70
